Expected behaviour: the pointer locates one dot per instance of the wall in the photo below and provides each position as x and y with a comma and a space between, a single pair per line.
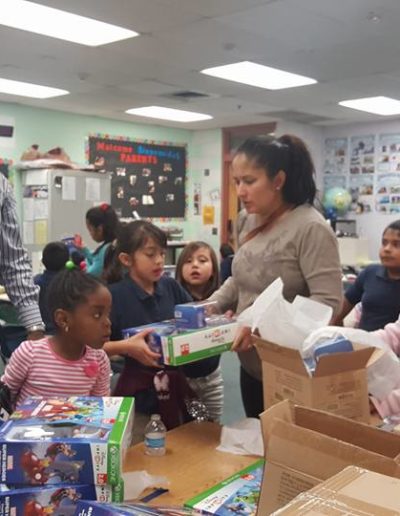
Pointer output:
312, 136
206, 174
369, 225
54, 128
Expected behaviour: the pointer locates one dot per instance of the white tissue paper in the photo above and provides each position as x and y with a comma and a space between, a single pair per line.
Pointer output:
243, 437
383, 370
135, 482
281, 322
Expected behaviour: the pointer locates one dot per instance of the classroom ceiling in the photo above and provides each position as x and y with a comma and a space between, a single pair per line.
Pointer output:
352, 47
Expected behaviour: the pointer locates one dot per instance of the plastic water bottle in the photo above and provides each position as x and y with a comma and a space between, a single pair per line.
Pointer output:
154, 436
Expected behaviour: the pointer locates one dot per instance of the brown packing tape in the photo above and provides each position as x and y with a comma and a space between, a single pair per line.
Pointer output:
353, 491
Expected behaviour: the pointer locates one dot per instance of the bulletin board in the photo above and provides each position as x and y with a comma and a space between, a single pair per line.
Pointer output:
368, 166
148, 178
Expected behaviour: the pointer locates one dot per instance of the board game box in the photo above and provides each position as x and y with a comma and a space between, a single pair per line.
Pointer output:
186, 346
66, 440
237, 495
61, 500
85, 508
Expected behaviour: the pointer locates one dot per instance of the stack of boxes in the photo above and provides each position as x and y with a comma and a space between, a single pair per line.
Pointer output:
193, 335
56, 451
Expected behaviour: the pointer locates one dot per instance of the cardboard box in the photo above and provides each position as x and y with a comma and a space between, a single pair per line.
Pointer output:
339, 383
306, 446
354, 492
66, 440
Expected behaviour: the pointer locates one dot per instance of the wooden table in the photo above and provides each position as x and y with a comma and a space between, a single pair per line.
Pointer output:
191, 463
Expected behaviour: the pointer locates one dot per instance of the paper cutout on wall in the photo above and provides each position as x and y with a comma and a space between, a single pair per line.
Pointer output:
208, 215
40, 232
197, 199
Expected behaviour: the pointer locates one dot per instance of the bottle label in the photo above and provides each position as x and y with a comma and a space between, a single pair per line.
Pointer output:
152, 442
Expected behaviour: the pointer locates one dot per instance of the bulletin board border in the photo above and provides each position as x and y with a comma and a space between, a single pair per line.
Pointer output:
107, 136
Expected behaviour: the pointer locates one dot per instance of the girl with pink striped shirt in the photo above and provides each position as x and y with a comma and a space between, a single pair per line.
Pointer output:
72, 362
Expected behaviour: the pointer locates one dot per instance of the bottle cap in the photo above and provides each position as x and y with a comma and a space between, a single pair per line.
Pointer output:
155, 417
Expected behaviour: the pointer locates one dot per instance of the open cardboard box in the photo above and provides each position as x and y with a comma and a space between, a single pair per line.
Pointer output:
354, 491
305, 446
338, 385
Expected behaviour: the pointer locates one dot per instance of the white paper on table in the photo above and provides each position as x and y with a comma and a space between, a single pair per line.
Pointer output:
243, 437
27, 232
92, 189
68, 188
41, 209
27, 206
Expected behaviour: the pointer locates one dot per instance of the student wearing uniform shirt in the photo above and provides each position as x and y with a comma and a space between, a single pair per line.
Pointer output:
377, 287
143, 296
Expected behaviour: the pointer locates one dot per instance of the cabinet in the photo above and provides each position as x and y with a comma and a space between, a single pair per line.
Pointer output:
54, 204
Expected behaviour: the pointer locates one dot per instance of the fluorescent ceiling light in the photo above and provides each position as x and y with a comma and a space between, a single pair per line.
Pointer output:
262, 76
55, 23
163, 113
27, 89
377, 105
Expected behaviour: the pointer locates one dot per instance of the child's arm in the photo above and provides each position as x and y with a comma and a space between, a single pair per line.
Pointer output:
102, 385
135, 347
17, 368
391, 335
345, 309
352, 296
226, 296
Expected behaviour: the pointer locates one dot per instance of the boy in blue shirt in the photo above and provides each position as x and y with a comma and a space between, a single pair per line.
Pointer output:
54, 257
377, 287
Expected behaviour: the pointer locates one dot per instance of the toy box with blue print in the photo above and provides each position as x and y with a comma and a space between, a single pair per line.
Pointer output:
55, 500
66, 440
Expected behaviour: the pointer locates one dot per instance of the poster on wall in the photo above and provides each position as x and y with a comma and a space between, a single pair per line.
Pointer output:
361, 188
332, 181
362, 154
148, 178
388, 193
335, 156
389, 153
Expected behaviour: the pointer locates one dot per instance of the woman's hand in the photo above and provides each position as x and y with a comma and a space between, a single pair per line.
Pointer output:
136, 347
242, 340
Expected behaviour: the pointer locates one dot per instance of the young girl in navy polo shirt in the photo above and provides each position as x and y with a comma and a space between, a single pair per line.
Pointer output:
141, 294
377, 286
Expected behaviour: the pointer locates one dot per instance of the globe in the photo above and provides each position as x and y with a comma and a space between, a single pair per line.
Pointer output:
336, 201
